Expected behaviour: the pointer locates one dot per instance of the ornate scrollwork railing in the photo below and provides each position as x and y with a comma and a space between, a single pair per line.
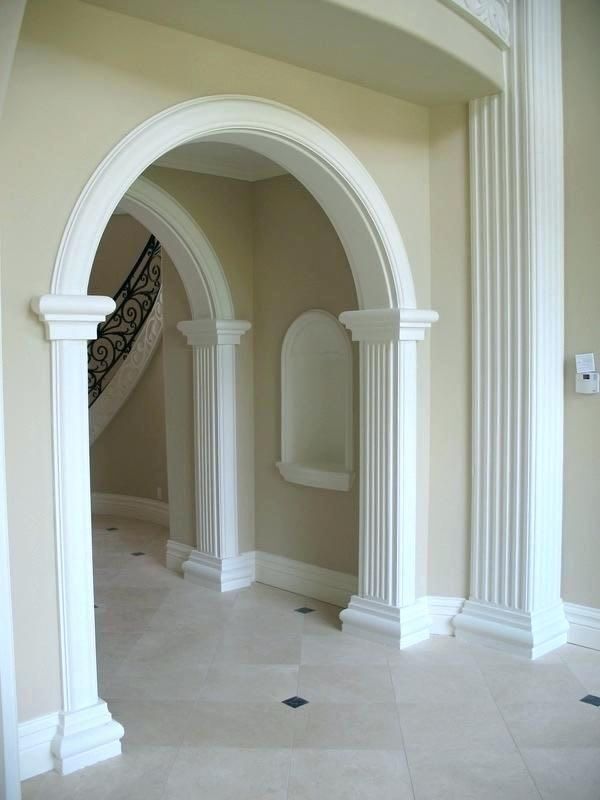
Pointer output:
135, 300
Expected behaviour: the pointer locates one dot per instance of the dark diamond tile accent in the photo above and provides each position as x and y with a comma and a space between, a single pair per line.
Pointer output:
295, 702
112, 529
592, 699
138, 554
304, 610
95, 606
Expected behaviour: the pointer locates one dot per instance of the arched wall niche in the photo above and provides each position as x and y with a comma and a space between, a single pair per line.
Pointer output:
316, 403
387, 327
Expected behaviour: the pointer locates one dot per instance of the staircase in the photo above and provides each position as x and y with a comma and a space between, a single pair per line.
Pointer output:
126, 340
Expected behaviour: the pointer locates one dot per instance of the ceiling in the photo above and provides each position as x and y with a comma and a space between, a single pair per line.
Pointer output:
226, 160
418, 50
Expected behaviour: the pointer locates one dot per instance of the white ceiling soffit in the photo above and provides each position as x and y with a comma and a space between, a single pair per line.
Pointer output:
419, 50
226, 160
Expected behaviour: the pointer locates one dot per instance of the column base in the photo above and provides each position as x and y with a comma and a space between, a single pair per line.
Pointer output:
390, 625
221, 574
518, 632
86, 737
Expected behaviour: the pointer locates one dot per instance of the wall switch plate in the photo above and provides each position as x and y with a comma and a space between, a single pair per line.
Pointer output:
159, 493
587, 383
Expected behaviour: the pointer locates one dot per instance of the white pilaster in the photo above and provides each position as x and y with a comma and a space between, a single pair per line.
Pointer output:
517, 234
216, 561
87, 733
386, 608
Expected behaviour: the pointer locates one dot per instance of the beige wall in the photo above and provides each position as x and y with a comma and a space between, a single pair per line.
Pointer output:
179, 409
222, 207
581, 81
299, 264
129, 457
450, 490
83, 78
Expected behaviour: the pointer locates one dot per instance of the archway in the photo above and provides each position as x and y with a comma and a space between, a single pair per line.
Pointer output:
388, 325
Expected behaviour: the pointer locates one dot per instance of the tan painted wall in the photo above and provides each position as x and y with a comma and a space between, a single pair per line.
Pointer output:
450, 490
223, 209
179, 409
581, 82
82, 79
299, 264
129, 457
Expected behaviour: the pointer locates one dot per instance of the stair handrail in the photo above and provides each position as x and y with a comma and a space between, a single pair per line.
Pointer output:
134, 300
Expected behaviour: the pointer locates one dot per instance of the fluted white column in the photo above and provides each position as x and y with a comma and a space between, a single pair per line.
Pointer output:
87, 733
216, 561
517, 234
386, 608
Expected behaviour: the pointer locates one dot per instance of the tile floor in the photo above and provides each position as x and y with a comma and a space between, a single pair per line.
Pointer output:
198, 681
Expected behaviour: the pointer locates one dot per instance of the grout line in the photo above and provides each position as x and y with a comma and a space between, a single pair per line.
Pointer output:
406, 759
510, 733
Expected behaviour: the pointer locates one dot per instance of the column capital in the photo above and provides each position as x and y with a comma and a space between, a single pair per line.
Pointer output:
203, 332
72, 316
383, 325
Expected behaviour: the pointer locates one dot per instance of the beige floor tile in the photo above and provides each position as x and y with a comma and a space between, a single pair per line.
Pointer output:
340, 648
569, 723
152, 722
471, 775
532, 683
240, 725
371, 726
437, 650
349, 775
156, 682
437, 684
229, 774
346, 683
565, 773
249, 647
250, 683
441, 728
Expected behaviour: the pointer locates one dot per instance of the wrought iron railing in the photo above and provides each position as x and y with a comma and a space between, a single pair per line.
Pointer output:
135, 300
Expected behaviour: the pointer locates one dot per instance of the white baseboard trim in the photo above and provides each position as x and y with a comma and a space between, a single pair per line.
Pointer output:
398, 627
222, 574
176, 554
584, 625
35, 745
123, 505
323, 584
442, 611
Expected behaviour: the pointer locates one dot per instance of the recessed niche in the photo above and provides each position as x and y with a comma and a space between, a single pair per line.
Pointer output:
316, 403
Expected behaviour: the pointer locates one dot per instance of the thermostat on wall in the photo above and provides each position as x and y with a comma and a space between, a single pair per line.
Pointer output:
587, 382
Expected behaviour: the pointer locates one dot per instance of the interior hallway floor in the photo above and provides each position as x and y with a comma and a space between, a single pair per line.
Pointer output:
198, 679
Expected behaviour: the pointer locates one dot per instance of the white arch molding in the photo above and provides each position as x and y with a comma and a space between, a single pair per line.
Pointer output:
388, 326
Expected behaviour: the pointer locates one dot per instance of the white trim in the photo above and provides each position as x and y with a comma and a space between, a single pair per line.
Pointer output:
328, 343
35, 745
129, 373
9, 767
491, 17
584, 622
221, 574
442, 611
316, 476
328, 169
129, 507
176, 554
186, 243
382, 275
517, 238
397, 626
326, 585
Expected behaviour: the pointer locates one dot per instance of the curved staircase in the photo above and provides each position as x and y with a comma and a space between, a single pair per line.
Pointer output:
127, 339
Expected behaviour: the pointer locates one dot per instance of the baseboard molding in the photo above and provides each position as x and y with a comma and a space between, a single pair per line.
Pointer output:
442, 611
323, 584
123, 505
176, 554
584, 625
35, 745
